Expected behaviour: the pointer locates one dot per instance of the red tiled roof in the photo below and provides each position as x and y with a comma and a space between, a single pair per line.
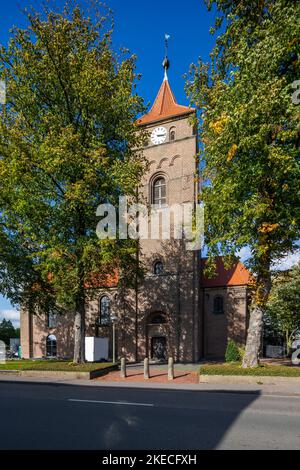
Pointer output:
237, 275
103, 280
165, 106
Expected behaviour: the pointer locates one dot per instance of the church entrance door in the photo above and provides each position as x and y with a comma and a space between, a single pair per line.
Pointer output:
159, 348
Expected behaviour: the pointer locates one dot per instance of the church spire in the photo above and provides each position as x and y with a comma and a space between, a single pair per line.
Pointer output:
165, 105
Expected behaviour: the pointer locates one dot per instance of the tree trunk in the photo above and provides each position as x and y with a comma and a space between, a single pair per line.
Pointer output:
79, 331
288, 343
254, 336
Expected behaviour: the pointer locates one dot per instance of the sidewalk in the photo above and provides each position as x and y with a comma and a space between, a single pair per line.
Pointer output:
282, 389
157, 375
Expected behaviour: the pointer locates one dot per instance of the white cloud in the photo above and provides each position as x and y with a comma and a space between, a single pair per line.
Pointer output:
287, 262
12, 315
244, 253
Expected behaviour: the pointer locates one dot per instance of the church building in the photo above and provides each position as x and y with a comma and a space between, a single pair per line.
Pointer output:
175, 310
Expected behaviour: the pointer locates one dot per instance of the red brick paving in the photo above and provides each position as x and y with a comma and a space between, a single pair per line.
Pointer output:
155, 376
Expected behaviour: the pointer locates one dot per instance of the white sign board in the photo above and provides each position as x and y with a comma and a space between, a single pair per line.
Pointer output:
274, 351
96, 349
2, 352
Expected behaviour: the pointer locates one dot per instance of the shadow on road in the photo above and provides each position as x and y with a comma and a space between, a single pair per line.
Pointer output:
47, 417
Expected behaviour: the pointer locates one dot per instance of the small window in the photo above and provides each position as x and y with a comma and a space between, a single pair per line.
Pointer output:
157, 319
218, 305
158, 268
51, 346
172, 134
52, 319
159, 194
104, 311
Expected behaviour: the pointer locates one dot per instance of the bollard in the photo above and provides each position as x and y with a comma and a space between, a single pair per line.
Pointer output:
171, 369
123, 368
146, 368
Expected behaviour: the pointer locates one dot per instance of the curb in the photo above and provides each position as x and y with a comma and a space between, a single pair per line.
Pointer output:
148, 386
248, 379
59, 374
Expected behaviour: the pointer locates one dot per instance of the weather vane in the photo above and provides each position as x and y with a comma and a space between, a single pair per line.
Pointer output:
166, 62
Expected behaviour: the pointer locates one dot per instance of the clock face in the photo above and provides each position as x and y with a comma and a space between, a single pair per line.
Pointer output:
159, 135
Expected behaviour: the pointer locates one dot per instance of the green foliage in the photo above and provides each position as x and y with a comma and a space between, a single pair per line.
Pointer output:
8, 331
232, 353
283, 308
50, 365
68, 143
249, 129
242, 350
261, 370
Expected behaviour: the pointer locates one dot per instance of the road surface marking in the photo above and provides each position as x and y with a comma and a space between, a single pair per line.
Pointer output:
112, 402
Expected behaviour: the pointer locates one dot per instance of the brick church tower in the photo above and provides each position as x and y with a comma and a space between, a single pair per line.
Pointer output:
168, 299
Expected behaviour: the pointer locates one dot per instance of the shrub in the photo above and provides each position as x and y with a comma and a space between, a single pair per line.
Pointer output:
242, 350
261, 370
232, 353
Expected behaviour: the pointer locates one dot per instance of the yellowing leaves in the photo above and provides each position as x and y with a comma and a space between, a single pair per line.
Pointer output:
232, 152
219, 125
266, 227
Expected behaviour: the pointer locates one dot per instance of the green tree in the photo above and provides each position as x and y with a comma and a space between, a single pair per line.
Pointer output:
232, 353
7, 331
250, 133
283, 307
68, 142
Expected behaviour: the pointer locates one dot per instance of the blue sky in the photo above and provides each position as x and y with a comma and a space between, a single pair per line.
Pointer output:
140, 26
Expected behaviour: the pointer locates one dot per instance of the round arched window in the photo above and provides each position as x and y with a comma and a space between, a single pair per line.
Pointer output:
158, 267
172, 134
159, 193
51, 346
218, 305
157, 319
104, 310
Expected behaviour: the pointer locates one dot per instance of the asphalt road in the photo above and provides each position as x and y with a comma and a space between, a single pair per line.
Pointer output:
37, 416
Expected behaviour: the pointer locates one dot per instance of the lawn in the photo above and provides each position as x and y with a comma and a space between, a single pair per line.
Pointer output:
261, 370
54, 365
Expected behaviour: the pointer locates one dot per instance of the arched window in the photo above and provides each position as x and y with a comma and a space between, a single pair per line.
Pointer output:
218, 305
158, 267
157, 319
172, 134
104, 310
52, 319
51, 344
159, 193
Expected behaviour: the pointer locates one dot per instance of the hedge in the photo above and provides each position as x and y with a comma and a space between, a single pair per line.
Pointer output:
53, 365
261, 370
